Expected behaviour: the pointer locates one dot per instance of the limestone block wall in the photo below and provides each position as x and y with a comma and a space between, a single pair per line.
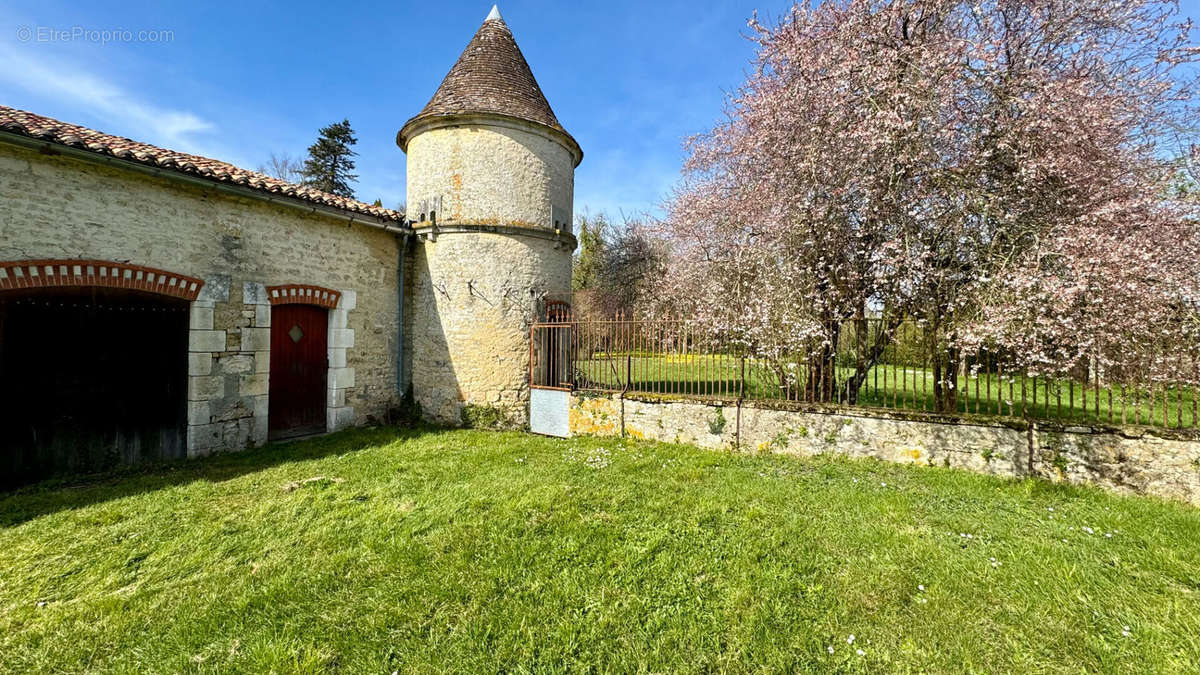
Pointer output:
498, 173
227, 379
341, 376
472, 297
1133, 460
56, 207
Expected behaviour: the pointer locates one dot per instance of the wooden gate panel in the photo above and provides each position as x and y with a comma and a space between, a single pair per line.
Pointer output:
90, 379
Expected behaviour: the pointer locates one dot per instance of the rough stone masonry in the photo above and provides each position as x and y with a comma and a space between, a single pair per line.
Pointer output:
435, 303
1142, 461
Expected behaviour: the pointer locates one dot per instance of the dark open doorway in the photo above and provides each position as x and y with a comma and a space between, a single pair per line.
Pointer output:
90, 378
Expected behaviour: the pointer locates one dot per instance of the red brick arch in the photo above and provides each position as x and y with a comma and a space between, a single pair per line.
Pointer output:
303, 294
31, 274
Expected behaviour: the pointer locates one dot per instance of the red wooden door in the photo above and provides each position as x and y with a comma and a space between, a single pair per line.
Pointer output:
299, 365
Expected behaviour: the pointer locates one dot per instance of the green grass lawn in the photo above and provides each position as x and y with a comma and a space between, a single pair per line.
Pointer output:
429, 551
903, 387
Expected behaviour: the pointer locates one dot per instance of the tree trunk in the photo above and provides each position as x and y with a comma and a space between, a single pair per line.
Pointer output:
867, 354
946, 361
1082, 370
822, 367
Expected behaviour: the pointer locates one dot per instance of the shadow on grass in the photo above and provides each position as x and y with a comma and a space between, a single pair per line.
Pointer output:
71, 492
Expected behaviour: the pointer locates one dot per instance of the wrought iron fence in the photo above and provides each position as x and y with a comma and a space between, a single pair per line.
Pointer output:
871, 363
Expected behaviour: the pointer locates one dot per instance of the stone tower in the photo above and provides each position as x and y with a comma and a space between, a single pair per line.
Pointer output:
491, 188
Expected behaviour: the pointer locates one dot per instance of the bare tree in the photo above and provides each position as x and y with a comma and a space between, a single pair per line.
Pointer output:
282, 166
616, 266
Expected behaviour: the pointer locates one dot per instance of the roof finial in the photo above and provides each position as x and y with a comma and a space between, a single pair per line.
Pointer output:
494, 14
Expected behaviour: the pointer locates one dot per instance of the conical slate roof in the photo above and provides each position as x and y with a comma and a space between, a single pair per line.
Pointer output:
490, 77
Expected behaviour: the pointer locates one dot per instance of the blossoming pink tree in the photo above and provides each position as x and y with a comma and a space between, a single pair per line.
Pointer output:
993, 169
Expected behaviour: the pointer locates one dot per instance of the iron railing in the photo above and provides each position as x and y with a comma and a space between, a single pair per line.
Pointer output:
874, 363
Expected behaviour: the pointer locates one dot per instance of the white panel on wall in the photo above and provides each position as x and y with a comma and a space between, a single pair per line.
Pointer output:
548, 412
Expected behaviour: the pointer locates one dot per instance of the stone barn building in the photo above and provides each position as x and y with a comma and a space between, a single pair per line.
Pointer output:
156, 304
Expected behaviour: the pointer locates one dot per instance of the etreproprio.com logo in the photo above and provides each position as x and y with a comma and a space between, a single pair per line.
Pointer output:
95, 35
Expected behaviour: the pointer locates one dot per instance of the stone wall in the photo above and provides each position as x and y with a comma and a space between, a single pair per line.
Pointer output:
1133, 460
56, 207
477, 276
498, 173
471, 298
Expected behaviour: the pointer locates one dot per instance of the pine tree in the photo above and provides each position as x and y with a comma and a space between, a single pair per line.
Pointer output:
330, 161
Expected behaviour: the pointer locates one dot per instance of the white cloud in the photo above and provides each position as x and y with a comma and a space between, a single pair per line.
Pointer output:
175, 129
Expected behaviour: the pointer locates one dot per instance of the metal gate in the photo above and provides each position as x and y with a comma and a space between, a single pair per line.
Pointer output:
551, 373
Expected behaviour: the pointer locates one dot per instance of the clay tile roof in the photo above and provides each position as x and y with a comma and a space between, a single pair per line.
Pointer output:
51, 130
491, 77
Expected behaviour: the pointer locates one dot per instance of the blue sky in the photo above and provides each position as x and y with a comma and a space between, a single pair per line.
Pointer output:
238, 81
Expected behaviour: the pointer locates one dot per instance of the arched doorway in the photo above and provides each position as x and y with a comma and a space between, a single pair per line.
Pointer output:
93, 367
298, 390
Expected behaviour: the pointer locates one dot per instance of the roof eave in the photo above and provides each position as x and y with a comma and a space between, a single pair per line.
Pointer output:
426, 122
55, 147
